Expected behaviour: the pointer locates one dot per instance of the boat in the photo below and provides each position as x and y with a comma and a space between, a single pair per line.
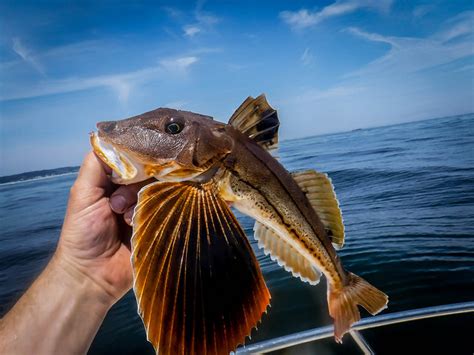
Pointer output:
290, 343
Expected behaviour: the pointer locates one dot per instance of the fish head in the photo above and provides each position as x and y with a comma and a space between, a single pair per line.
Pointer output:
168, 144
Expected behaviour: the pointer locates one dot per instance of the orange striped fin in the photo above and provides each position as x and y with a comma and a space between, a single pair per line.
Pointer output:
197, 282
285, 255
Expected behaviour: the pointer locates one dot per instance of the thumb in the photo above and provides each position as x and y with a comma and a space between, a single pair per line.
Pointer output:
93, 173
92, 183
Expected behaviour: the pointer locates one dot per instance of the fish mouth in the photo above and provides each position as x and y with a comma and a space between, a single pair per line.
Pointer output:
129, 169
125, 169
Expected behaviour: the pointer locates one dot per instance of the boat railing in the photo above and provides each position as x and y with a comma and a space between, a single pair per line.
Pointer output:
366, 323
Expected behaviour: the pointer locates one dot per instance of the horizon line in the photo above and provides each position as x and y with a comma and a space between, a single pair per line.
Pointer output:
283, 140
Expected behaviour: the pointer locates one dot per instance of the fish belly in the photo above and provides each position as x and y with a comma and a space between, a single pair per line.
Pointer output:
286, 224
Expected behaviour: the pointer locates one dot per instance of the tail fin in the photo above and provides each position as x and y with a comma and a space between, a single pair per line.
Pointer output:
343, 303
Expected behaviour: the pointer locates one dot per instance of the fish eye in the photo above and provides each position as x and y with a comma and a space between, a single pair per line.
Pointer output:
174, 127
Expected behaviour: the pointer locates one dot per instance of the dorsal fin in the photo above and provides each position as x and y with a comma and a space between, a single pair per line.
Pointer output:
285, 255
320, 192
258, 120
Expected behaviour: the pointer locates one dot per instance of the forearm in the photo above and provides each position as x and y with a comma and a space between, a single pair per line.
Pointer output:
59, 314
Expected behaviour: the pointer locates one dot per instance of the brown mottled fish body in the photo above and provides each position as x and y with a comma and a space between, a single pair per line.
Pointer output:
198, 284
259, 186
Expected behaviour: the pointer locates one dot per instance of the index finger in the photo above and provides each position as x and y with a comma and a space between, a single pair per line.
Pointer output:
126, 196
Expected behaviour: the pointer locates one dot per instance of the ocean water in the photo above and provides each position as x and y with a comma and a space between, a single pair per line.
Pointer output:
407, 197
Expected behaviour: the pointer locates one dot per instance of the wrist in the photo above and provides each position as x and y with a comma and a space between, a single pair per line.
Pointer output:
82, 285
68, 310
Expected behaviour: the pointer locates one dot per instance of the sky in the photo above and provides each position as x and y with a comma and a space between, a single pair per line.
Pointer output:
326, 66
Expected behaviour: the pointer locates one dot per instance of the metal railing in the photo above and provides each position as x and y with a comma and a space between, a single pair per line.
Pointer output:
366, 323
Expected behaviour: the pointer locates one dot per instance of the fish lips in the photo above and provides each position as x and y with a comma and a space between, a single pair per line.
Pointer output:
125, 169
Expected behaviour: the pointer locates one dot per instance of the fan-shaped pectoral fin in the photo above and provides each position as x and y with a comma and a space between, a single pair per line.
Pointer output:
197, 282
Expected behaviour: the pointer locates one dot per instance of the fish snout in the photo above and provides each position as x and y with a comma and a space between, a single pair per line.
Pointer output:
106, 126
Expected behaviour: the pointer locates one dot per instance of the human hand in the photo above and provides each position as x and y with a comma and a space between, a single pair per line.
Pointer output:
88, 273
95, 241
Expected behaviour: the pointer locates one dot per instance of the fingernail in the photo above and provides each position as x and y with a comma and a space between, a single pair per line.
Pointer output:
118, 203
128, 217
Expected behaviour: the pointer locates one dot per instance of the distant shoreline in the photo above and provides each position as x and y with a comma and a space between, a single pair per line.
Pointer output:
37, 175
48, 173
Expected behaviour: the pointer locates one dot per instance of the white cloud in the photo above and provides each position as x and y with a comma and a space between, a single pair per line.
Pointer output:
206, 18
416, 78
178, 64
305, 18
121, 83
62, 53
422, 10
458, 26
371, 36
307, 57
191, 31
203, 21
410, 54
20, 49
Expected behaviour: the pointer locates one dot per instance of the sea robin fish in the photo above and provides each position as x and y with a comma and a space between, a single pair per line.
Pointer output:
196, 279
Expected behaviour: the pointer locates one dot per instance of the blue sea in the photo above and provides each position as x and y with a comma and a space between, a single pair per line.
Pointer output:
407, 197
